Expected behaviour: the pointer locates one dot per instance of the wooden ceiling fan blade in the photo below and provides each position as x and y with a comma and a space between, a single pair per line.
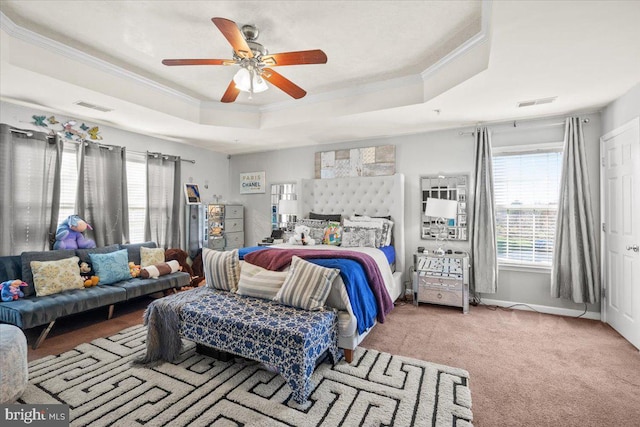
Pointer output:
283, 83
234, 36
171, 62
231, 93
315, 56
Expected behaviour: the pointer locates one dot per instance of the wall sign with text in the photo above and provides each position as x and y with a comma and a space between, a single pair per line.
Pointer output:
252, 183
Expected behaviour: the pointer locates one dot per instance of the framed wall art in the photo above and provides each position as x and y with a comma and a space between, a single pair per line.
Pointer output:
252, 183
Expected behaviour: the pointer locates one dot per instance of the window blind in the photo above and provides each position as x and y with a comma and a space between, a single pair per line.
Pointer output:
526, 190
137, 195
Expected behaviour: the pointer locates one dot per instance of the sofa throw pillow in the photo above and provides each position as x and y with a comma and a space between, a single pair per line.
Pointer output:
27, 257
112, 267
52, 277
307, 285
221, 269
151, 256
258, 282
134, 250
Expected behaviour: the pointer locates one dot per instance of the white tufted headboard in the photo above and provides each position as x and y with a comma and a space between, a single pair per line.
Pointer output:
372, 196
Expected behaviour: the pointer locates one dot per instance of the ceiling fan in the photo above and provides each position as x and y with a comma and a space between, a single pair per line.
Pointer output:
254, 60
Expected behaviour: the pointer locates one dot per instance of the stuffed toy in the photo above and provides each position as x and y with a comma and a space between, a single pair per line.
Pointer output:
301, 236
155, 271
69, 234
11, 290
181, 256
134, 269
86, 272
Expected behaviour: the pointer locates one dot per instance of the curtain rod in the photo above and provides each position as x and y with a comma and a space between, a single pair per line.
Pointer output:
515, 127
146, 153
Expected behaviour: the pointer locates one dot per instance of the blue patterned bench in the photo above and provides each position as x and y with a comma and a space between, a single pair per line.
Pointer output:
287, 338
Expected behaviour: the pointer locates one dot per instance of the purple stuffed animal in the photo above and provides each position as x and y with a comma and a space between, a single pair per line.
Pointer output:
69, 234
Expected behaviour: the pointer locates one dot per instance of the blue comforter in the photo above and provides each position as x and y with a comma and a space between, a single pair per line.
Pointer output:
363, 302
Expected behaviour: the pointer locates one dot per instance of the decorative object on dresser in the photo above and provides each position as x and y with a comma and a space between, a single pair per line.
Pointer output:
442, 280
441, 209
199, 390
225, 227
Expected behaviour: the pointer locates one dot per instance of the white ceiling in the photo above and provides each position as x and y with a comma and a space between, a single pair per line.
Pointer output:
392, 65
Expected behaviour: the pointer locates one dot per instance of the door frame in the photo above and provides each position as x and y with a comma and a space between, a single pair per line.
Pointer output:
603, 284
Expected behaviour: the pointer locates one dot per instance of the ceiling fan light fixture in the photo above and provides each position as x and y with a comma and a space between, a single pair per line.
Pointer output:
243, 78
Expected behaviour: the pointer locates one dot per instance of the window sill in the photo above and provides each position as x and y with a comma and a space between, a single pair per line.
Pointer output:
529, 268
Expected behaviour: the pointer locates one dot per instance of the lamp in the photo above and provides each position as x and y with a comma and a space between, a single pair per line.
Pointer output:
290, 208
441, 209
248, 80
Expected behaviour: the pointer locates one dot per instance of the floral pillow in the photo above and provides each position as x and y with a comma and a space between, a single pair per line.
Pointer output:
151, 256
316, 227
52, 277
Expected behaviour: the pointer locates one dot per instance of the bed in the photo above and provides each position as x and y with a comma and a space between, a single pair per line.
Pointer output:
376, 196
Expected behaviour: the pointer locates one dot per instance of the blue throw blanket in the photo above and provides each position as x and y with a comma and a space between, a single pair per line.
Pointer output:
363, 302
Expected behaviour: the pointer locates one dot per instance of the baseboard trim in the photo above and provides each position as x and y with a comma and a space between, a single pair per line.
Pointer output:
558, 311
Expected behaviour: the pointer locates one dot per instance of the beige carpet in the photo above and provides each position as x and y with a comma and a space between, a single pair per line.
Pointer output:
526, 369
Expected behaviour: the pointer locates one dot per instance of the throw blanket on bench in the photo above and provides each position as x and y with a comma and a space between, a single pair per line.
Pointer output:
162, 318
277, 259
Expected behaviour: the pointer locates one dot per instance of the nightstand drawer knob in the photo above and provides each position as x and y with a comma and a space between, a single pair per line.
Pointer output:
439, 295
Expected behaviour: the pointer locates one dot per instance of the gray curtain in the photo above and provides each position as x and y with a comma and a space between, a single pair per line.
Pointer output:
164, 195
483, 237
30, 165
575, 272
102, 199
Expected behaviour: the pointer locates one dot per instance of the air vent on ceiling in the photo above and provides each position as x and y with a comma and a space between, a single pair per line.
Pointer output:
536, 102
93, 106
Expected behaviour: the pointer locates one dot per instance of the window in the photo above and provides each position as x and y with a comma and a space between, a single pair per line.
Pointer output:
526, 185
137, 195
136, 189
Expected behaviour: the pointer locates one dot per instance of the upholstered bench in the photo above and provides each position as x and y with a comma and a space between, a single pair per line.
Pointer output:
287, 338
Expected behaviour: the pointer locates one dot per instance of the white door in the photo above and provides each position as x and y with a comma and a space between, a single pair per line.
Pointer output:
620, 209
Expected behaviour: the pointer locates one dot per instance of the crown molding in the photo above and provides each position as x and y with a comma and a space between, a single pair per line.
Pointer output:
33, 38
480, 37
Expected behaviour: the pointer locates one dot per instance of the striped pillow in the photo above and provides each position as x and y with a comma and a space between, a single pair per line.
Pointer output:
259, 282
307, 285
221, 269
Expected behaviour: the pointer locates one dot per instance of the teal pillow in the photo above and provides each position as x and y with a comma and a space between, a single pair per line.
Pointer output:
112, 267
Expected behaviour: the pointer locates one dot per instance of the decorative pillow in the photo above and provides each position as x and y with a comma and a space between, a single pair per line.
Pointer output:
353, 237
355, 225
112, 267
27, 257
151, 256
134, 250
221, 269
160, 269
332, 234
326, 217
307, 285
316, 226
52, 277
259, 282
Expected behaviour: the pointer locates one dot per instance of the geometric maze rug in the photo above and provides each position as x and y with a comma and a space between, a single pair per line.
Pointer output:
102, 388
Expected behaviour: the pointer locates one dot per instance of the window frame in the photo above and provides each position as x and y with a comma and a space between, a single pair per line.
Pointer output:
524, 149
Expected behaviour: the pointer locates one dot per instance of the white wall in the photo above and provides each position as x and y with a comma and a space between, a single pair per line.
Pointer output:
422, 154
621, 111
209, 166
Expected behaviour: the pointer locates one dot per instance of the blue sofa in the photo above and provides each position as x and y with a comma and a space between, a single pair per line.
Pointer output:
32, 311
